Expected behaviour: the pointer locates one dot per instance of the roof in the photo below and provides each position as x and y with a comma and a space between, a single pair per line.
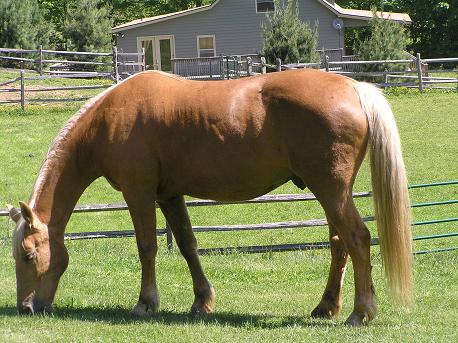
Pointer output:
336, 9
146, 21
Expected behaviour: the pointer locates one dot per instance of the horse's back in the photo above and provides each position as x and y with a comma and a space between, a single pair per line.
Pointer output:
232, 139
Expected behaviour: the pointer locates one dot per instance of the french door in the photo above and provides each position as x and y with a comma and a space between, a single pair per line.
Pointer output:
159, 51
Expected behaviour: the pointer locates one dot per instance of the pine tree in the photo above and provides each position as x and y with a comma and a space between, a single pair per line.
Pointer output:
87, 27
287, 37
387, 41
22, 25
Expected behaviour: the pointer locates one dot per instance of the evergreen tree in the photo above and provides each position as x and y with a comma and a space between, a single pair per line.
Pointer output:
287, 37
387, 41
22, 25
87, 27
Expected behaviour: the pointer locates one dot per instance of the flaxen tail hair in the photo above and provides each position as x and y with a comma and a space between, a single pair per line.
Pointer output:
390, 191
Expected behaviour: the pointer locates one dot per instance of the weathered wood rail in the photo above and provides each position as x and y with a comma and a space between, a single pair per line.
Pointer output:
263, 226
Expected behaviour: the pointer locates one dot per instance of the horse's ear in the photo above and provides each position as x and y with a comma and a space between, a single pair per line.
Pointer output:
15, 213
27, 213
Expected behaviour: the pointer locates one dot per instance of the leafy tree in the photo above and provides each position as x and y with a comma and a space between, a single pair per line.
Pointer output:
434, 28
434, 25
87, 27
287, 37
387, 41
22, 25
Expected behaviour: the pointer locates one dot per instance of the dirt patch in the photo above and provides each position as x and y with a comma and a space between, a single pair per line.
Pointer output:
29, 95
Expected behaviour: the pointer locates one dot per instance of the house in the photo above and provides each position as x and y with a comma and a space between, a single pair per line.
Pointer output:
231, 27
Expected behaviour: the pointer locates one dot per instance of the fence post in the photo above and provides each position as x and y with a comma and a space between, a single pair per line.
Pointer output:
115, 64
168, 233
249, 64
221, 67
385, 74
227, 67
326, 62
143, 66
278, 64
420, 75
40, 65
263, 65
22, 91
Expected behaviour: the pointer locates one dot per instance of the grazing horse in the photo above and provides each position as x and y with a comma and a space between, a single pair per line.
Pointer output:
157, 137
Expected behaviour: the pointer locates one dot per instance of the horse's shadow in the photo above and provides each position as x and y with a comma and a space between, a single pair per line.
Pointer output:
118, 315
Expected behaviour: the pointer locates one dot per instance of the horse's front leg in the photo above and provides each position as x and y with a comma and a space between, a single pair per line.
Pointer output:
142, 209
175, 212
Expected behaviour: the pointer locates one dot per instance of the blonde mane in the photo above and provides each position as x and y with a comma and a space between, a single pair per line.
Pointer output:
59, 141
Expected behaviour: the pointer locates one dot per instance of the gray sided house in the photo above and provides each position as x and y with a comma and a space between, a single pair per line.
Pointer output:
230, 27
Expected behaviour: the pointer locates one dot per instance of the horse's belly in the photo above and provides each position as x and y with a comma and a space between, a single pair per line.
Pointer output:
230, 184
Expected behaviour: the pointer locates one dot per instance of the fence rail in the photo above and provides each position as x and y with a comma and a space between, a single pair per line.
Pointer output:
236, 66
121, 64
262, 226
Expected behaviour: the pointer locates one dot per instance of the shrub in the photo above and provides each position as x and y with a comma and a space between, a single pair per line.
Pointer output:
287, 37
387, 41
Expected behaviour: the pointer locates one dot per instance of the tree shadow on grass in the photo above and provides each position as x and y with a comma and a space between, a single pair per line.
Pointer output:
120, 316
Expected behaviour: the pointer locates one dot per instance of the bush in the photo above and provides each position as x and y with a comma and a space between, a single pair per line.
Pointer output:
387, 41
287, 37
87, 27
22, 26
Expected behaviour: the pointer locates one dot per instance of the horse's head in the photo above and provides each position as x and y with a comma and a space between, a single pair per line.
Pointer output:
38, 264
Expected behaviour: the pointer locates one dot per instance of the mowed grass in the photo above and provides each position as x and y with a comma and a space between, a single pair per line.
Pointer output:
260, 297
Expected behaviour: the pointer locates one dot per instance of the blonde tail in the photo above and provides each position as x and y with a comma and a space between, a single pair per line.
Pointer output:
391, 197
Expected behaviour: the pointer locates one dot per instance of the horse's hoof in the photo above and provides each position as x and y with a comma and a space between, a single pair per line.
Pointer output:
144, 310
322, 313
357, 319
204, 303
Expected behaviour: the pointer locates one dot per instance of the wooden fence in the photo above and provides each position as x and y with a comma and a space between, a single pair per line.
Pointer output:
265, 226
416, 73
120, 65
416, 70
117, 63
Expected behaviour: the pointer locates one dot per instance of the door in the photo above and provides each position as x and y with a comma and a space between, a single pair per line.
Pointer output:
159, 52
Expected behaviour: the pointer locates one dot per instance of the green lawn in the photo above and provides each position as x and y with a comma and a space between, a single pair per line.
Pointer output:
262, 297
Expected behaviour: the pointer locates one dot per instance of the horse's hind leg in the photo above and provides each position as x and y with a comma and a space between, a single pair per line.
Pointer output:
175, 212
331, 301
142, 209
342, 214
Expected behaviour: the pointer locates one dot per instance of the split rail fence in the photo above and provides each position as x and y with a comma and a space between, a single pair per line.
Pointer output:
114, 65
414, 72
266, 226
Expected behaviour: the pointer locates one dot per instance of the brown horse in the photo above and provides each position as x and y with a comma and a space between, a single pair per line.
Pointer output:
157, 137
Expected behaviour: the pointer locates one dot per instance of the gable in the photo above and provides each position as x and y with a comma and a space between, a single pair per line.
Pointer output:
334, 8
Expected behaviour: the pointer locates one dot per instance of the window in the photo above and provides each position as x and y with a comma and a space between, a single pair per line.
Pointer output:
263, 6
206, 46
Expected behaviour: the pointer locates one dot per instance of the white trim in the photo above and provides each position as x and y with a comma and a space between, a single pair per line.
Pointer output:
256, 8
156, 48
206, 36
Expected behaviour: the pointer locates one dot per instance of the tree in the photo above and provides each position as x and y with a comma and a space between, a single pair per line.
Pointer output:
287, 37
434, 23
387, 41
22, 25
87, 27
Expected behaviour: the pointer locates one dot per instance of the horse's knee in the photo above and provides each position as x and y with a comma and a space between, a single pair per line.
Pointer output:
147, 249
188, 248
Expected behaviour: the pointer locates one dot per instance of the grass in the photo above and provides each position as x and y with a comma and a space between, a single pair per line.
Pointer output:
262, 297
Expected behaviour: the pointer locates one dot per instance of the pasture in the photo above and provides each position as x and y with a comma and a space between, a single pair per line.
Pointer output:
260, 297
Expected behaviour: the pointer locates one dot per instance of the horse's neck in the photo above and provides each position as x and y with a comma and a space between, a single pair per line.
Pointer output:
64, 175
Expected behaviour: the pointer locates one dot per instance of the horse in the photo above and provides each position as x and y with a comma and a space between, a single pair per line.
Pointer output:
156, 137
